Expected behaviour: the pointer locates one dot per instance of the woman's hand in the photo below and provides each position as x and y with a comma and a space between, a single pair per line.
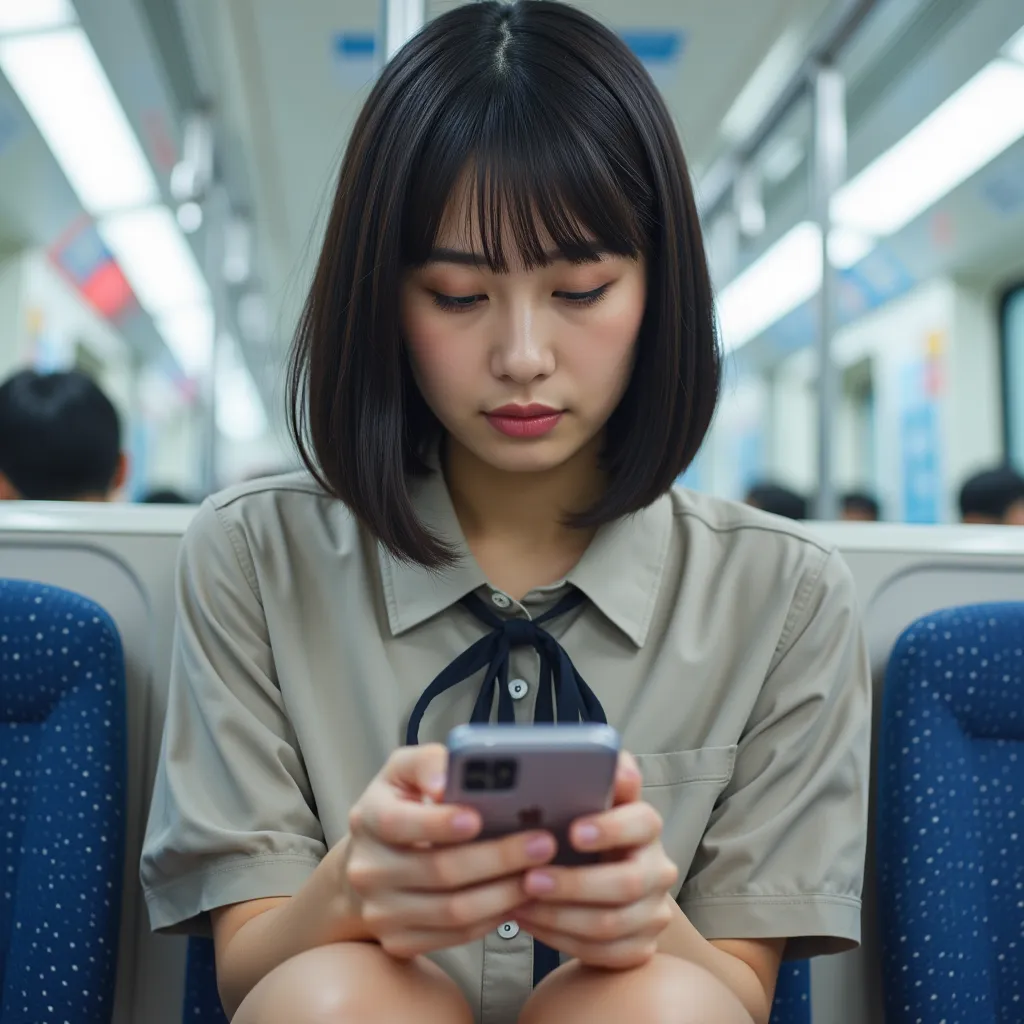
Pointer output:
409, 870
608, 914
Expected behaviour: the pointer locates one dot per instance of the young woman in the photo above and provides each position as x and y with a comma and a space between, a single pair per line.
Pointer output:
507, 357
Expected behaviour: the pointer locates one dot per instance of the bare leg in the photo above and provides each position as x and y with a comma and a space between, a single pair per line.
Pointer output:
354, 983
666, 990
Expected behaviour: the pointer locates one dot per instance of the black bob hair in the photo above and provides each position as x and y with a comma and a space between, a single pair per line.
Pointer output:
563, 128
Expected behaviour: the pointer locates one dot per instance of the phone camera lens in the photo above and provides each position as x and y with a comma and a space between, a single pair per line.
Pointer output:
505, 773
477, 776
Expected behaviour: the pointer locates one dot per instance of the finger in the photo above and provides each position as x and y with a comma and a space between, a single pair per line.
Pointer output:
615, 883
393, 819
376, 866
460, 911
422, 771
597, 924
627, 825
623, 954
628, 780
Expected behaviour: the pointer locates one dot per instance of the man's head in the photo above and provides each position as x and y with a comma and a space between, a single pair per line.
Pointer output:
60, 439
858, 507
780, 501
993, 497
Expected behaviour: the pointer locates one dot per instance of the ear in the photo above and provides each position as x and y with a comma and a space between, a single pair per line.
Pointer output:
7, 491
120, 474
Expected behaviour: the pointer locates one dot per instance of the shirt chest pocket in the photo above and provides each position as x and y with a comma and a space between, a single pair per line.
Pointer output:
683, 787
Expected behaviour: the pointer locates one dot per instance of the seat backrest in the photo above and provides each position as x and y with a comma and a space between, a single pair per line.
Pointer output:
62, 782
202, 1002
951, 818
793, 994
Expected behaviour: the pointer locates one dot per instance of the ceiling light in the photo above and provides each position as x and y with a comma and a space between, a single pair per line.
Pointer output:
188, 333
1015, 47
35, 15
156, 259
784, 277
960, 137
846, 247
763, 87
239, 410
60, 81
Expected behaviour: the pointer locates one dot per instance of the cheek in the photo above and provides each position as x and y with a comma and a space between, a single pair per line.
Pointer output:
440, 365
606, 350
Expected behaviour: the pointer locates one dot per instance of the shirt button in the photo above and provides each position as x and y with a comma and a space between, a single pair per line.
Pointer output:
518, 689
508, 930
500, 600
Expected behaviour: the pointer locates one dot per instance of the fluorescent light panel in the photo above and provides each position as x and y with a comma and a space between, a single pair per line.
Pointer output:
60, 81
763, 87
960, 137
784, 277
1015, 47
34, 15
156, 259
188, 333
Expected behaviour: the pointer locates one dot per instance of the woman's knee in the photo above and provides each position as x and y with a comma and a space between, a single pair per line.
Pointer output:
354, 983
666, 990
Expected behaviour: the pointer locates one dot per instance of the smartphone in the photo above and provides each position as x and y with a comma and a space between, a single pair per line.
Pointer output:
521, 777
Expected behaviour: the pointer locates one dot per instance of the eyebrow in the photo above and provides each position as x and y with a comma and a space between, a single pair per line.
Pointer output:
463, 258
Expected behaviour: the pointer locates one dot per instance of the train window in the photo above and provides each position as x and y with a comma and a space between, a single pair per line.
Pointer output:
1013, 373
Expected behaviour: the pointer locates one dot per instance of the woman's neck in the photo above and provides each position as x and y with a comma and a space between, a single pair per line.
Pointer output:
514, 523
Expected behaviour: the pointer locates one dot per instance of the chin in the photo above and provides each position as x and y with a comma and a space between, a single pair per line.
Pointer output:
516, 456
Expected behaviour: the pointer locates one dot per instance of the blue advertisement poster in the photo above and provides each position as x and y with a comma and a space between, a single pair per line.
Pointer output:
920, 440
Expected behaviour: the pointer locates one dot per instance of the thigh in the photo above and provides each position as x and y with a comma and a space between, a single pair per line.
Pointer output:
354, 983
666, 990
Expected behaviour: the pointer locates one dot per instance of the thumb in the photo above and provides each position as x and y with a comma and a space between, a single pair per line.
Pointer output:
421, 771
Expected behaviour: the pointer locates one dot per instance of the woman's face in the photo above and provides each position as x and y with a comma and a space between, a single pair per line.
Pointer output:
523, 369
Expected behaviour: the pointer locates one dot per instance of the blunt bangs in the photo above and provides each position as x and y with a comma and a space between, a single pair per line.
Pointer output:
542, 134
528, 179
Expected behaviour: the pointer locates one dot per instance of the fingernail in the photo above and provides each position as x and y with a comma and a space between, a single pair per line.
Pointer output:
464, 821
540, 847
436, 783
586, 835
538, 881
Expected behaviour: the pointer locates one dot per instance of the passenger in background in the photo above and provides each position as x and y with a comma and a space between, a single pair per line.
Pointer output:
994, 497
60, 439
778, 500
166, 496
859, 507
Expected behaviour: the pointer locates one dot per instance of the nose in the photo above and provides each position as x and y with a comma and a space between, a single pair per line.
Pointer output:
522, 351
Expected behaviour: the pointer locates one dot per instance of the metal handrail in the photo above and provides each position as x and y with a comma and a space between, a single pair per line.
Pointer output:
717, 184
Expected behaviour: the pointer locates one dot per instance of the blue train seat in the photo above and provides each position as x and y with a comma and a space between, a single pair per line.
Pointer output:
62, 805
793, 994
951, 819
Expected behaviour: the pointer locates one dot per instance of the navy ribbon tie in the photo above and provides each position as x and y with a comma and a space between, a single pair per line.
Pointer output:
562, 690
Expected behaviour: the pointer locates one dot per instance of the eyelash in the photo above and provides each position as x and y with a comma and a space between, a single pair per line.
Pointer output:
462, 304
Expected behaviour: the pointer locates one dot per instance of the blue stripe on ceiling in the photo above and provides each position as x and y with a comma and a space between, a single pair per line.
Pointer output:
655, 46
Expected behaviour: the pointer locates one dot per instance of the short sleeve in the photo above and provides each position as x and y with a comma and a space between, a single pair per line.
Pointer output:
232, 817
783, 854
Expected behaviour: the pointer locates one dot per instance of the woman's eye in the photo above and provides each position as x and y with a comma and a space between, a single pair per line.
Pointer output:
583, 298
456, 303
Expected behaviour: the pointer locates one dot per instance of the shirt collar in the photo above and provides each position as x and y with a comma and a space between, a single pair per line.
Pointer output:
620, 572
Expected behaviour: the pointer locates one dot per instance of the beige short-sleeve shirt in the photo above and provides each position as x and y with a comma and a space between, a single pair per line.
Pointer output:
724, 644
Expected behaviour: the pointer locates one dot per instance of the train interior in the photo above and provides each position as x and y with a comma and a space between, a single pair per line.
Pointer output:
174, 275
